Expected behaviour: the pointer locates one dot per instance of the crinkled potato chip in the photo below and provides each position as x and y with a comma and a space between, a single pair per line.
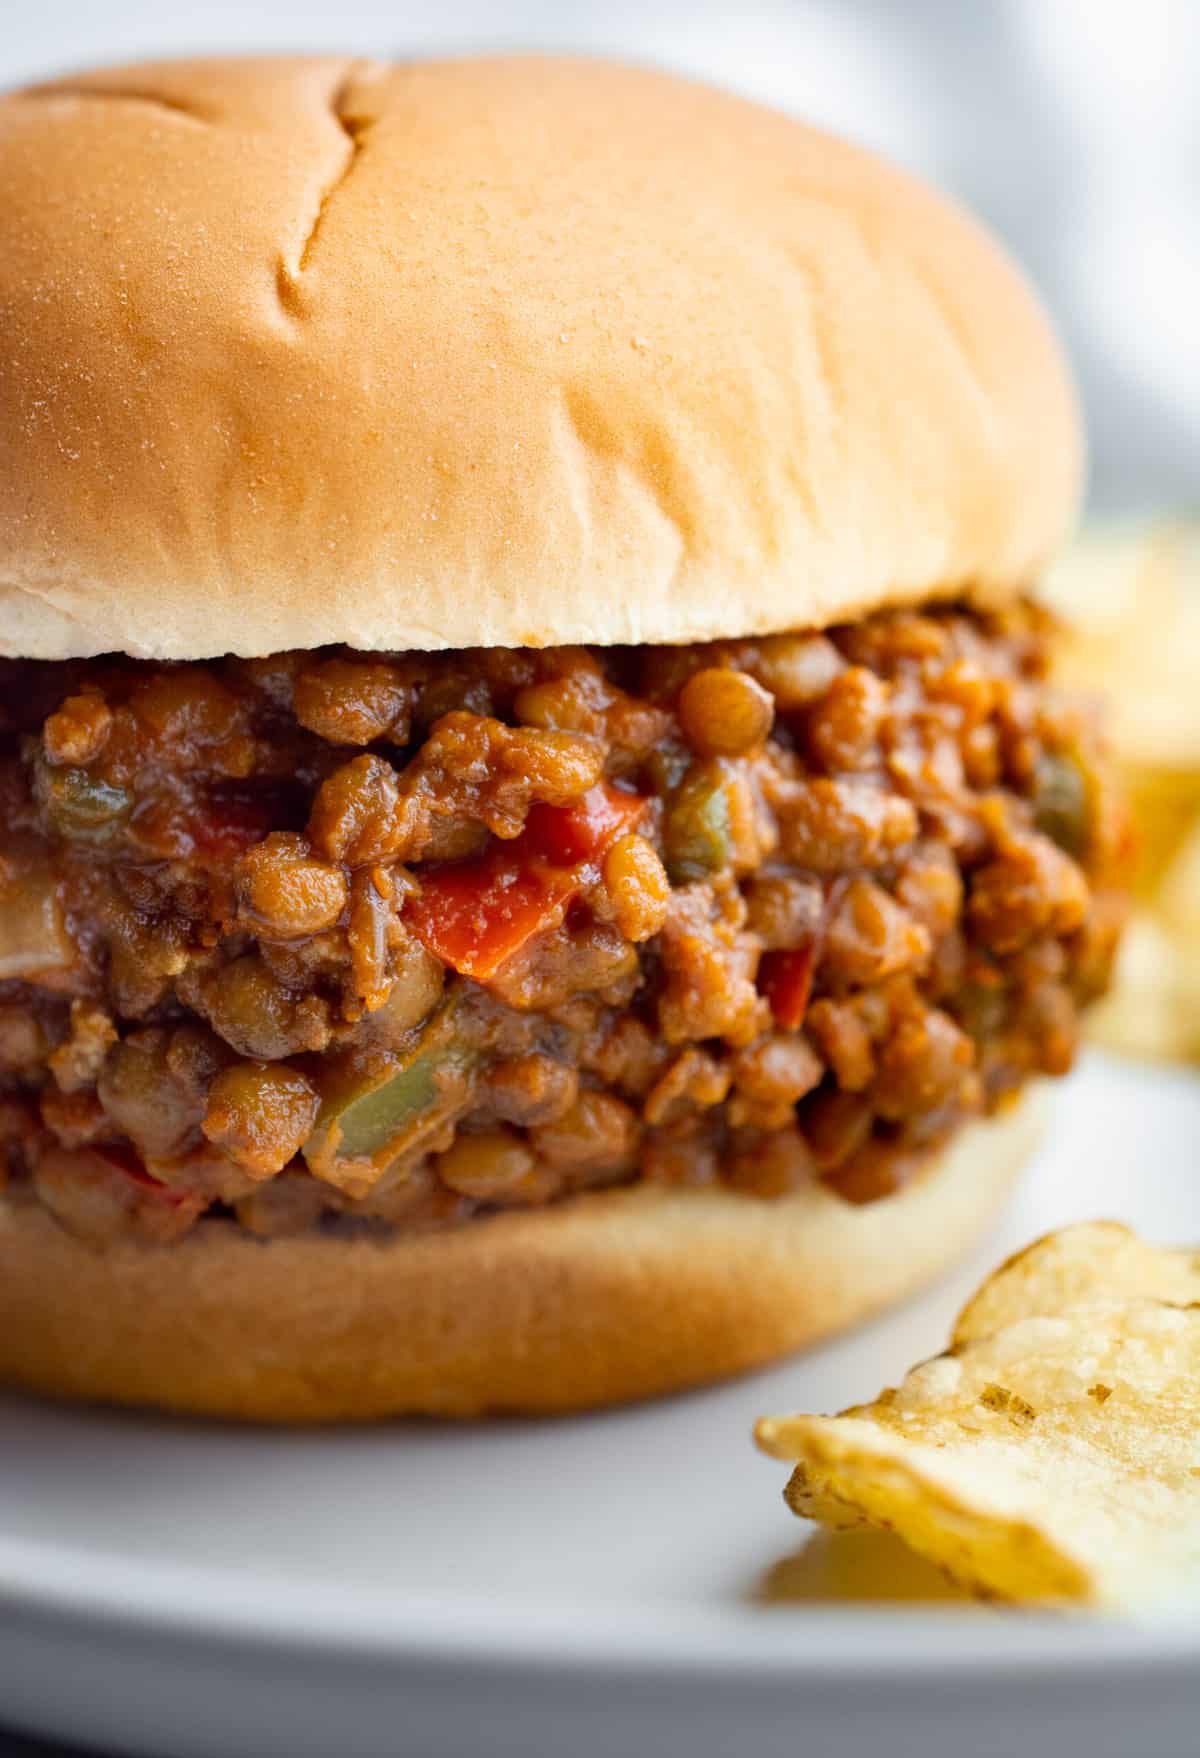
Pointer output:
1179, 893
1154, 1007
1130, 597
1055, 1461
1095, 1260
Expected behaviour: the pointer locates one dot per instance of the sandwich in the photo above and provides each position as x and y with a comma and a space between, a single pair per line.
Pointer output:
539, 860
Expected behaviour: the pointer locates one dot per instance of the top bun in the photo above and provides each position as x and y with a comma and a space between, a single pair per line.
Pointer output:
507, 351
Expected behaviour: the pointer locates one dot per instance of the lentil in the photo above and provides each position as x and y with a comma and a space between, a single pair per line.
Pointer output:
284, 892
724, 713
483, 1166
638, 888
259, 1115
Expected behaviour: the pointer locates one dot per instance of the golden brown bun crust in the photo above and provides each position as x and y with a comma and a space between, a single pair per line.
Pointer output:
504, 351
622, 1295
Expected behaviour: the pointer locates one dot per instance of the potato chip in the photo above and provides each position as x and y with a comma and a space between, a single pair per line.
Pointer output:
1056, 1461
1097, 1260
1166, 810
1130, 599
1179, 893
1129, 595
1154, 1007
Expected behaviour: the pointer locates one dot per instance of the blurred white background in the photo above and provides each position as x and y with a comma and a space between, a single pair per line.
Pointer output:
1072, 126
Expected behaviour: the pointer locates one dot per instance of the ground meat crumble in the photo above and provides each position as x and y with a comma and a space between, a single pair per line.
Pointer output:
411, 938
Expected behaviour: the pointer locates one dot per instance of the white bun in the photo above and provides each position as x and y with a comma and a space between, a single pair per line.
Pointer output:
502, 351
627, 1294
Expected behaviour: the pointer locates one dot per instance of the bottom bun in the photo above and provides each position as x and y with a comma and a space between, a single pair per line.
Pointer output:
617, 1295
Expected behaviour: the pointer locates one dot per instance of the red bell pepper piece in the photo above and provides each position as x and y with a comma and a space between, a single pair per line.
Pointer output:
225, 827
786, 977
125, 1159
475, 915
583, 830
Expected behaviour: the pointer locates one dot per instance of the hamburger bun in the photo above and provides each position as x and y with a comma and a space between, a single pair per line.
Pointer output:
502, 351
608, 1297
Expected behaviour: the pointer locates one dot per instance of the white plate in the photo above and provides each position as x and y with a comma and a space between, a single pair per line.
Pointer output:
624, 1583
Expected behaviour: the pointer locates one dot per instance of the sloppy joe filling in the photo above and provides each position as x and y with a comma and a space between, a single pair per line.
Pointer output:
406, 939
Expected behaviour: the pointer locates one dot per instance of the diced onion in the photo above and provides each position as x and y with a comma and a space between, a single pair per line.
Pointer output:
33, 936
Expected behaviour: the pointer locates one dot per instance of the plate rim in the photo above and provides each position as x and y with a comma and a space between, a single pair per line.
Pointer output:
798, 1644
